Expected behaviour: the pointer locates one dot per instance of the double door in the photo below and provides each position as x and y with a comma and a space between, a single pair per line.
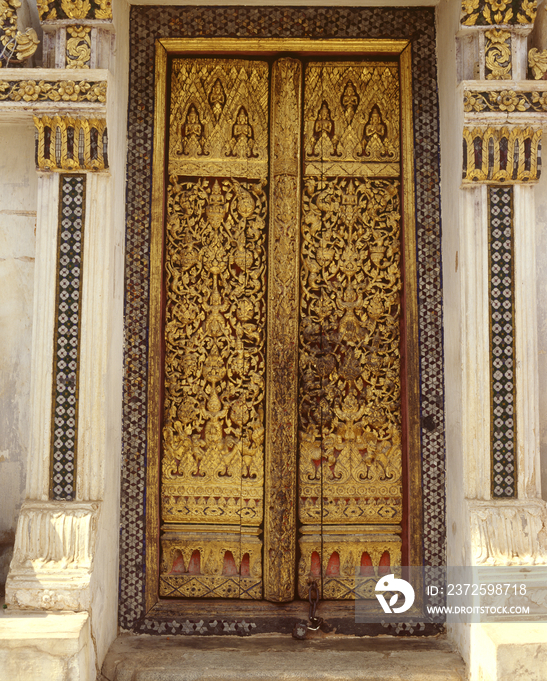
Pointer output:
284, 368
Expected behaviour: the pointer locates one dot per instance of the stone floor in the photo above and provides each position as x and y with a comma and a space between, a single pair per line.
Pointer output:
281, 658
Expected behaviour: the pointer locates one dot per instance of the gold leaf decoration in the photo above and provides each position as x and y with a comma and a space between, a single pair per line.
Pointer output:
53, 91
501, 155
15, 46
538, 62
66, 143
78, 47
498, 54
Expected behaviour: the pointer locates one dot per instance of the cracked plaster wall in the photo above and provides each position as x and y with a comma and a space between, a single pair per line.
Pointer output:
18, 183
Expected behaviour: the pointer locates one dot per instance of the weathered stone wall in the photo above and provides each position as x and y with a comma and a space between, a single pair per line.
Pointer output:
17, 241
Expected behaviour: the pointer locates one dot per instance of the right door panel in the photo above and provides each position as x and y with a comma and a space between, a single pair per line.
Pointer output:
350, 422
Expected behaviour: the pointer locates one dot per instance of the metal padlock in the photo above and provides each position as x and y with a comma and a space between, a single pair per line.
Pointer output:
300, 630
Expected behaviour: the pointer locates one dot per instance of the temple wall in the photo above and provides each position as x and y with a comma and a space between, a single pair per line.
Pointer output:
17, 242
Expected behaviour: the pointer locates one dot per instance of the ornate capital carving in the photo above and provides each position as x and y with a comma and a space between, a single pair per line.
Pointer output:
537, 61
53, 10
64, 143
491, 12
15, 47
501, 155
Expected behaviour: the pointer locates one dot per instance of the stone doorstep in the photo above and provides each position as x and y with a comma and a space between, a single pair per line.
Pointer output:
265, 657
44, 646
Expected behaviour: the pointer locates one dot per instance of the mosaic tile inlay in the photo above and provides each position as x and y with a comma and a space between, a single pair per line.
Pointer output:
67, 337
150, 23
502, 342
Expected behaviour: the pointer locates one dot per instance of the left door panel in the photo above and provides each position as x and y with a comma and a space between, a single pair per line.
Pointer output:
214, 302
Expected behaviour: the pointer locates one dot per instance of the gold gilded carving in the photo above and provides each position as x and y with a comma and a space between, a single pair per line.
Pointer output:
78, 47
498, 54
211, 565
15, 47
501, 155
350, 564
213, 434
488, 12
76, 9
283, 293
538, 62
52, 91
350, 421
219, 114
351, 116
65, 143
52, 10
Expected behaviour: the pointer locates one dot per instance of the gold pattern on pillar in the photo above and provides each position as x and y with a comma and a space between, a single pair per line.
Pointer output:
503, 155
350, 466
65, 143
78, 47
497, 50
215, 269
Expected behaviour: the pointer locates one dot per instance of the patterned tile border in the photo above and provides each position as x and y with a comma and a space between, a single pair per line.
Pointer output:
150, 23
502, 342
67, 337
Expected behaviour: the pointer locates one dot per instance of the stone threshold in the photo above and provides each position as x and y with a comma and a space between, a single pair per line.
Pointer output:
265, 657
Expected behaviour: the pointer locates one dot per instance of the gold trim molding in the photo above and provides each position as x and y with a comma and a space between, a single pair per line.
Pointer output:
52, 91
494, 155
505, 101
64, 143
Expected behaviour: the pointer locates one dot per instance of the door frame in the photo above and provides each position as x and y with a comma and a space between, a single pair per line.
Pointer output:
412, 498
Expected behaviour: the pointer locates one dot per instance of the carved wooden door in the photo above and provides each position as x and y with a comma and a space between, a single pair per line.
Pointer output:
283, 424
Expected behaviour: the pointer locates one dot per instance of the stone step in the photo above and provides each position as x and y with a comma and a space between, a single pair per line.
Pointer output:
281, 658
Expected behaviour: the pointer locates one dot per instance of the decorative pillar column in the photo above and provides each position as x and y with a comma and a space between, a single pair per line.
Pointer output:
55, 565
504, 115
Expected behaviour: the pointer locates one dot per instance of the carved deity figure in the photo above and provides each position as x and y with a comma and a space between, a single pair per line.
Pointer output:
217, 99
323, 133
375, 132
191, 141
349, 101
242, 143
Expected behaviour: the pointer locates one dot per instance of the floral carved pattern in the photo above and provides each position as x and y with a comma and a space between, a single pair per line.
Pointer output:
78, 47
53, 10
52, 91
489, 12
504, 100
498, 54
